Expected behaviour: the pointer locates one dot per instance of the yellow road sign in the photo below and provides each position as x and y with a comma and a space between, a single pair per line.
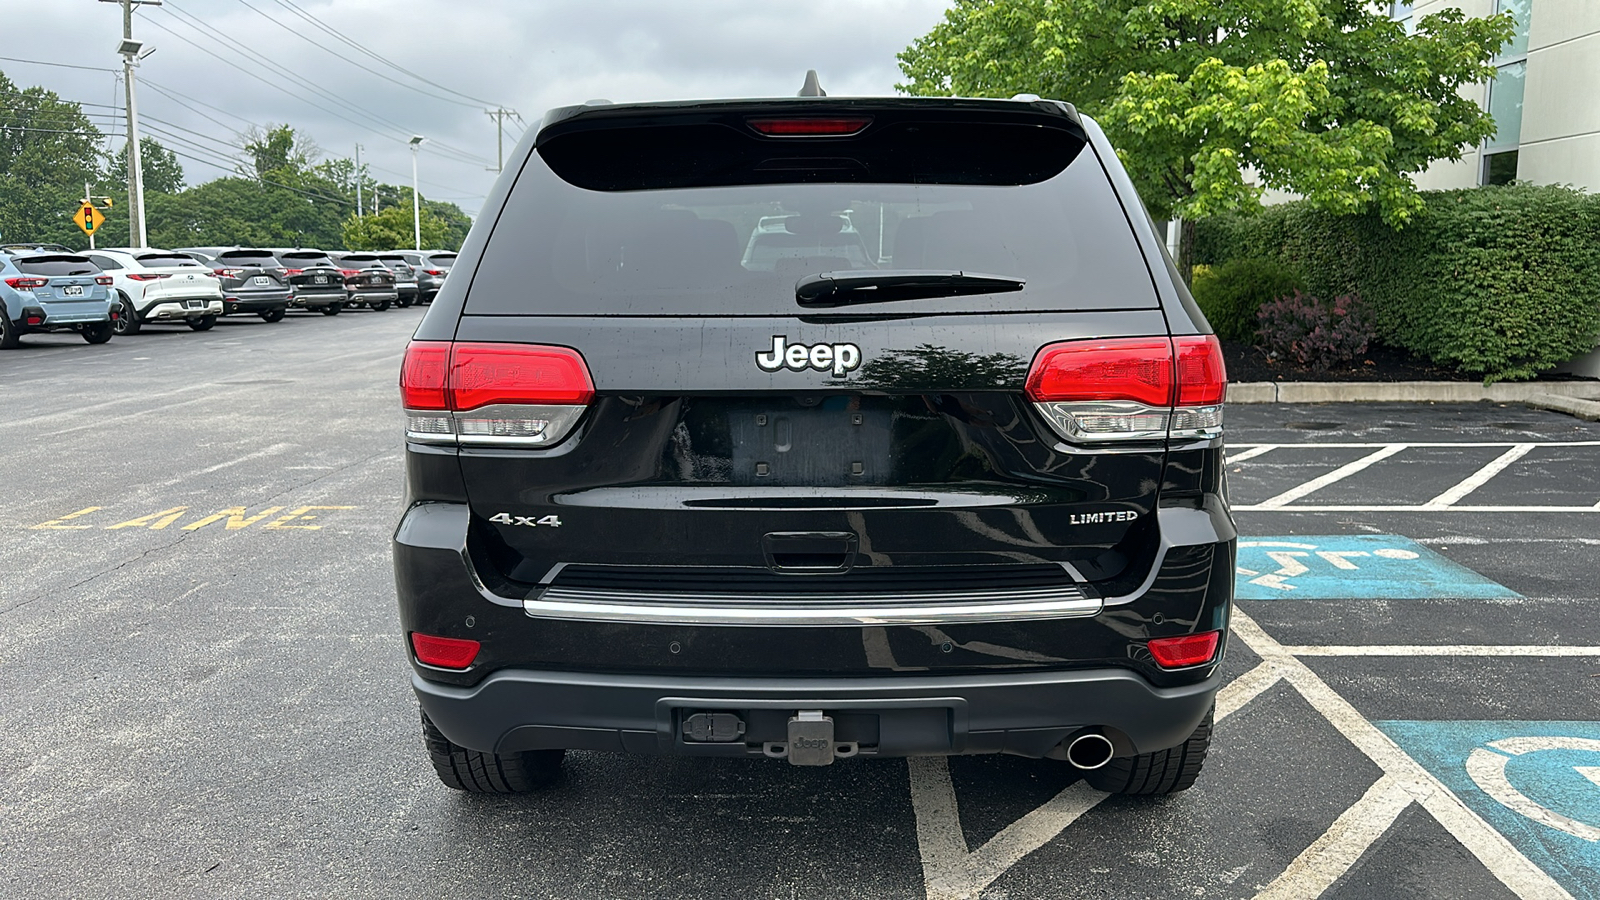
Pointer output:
89, 219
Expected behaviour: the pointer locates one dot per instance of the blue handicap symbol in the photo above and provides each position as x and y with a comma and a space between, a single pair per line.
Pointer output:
1537, 783
1353, 566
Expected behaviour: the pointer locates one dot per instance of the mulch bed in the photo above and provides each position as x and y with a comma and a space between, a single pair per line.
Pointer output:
1380, 363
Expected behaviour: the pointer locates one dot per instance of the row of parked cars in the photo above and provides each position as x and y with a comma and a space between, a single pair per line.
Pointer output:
104, 292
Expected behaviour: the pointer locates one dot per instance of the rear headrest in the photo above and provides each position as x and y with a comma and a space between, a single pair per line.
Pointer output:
676, 243
957, 239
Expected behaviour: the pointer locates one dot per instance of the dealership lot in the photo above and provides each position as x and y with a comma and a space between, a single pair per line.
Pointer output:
206, 690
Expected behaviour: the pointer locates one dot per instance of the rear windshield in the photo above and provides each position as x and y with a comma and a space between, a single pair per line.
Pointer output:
303, 259
56, 265
166, 260
738, 250
249, 257
442, 259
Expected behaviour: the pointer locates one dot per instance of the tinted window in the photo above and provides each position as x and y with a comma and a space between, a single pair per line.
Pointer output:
303, 259
166, 260
740, 249
57, 265
105, 263
249, 258
442, 259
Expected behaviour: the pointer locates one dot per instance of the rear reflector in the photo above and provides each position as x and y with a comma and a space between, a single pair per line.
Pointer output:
1188, 650
492, 394
446, 653
1130, 388
812, 126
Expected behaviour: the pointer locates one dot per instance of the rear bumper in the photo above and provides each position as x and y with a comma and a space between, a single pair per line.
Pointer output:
1027, 714
252, 304
316, 301
179, 309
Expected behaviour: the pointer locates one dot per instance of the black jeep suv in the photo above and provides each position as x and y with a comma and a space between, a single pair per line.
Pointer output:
815, 428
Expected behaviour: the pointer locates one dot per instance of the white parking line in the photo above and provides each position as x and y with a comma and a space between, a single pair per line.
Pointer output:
1330, 856
1479, 478
1315, 445
1339, 474
1249, 453
1442, 650
951, 872
1263, 507
1497, 854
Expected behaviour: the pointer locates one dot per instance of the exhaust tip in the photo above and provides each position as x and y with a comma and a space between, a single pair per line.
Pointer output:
1089, 751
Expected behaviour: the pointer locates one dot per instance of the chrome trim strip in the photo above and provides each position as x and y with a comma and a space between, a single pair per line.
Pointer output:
932, 608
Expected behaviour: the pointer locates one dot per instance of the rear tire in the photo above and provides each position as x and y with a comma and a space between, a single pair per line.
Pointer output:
9, 338
1161, 772
202, 323
332, 309
489, 773
274, 315
404, 301
380, 306
127, 317
97, 333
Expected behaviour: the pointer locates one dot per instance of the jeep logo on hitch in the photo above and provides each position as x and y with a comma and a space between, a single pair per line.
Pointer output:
840, 359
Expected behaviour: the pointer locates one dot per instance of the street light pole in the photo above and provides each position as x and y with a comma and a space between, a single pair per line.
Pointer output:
358, 181
131, 54
416, 202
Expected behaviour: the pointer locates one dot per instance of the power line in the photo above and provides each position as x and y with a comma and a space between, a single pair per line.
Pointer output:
294, 8
200, 25
40, 62
171, 94
345, 57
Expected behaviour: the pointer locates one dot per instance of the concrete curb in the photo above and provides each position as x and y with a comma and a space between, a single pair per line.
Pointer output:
1584, 409
1413, 392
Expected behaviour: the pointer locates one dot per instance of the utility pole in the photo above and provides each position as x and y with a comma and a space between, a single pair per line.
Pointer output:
499, 117
416, 201
132, 51
358, 181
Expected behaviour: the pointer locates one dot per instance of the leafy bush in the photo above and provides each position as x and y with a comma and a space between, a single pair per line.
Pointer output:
1500, 282
1315, 334
1230, 294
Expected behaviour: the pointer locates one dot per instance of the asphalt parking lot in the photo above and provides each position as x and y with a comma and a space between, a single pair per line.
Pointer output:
205, 692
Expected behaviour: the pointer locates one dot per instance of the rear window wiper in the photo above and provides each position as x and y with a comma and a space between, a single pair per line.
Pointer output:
847, 288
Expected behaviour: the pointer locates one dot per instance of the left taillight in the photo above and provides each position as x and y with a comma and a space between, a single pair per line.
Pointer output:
491, 394
1130, 389
27, 284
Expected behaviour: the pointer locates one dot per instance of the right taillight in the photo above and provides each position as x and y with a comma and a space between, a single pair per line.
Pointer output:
1130, 389
490, 394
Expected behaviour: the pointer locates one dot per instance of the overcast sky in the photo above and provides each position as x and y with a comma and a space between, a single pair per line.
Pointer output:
528, 55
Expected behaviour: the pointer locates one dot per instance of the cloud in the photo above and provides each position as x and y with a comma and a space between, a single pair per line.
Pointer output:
530, 55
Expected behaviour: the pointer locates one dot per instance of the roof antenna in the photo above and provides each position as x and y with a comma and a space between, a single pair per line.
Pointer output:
812, 87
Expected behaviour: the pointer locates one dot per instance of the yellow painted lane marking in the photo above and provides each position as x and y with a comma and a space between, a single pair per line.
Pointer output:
55, 524
233, 518
154, 521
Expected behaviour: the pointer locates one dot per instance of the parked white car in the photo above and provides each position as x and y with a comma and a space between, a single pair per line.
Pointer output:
160, 286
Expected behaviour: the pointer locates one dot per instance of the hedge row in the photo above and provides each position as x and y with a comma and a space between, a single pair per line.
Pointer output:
1500, 282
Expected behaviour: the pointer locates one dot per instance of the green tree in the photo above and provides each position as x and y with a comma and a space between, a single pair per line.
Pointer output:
163, 174
1329, 99
391, 229
278, 149
48, 152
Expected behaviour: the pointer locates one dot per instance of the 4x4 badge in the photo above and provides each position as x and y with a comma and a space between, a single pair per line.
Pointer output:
840, 359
